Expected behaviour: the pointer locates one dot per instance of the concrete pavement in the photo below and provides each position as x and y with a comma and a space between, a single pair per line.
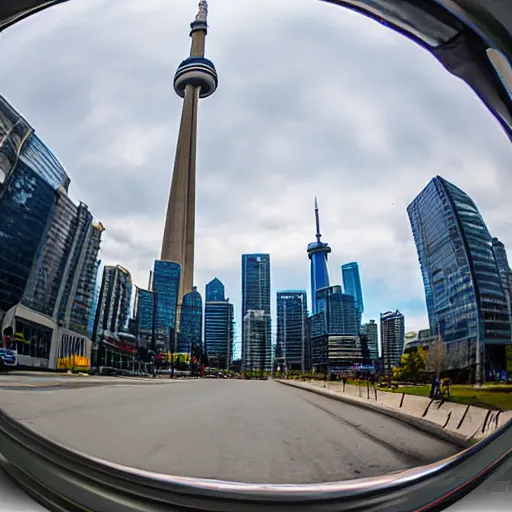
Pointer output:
254, 431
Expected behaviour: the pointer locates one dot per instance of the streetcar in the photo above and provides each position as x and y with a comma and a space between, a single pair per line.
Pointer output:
36, 341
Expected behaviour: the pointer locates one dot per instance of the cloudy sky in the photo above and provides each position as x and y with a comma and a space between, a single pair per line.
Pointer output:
313, 100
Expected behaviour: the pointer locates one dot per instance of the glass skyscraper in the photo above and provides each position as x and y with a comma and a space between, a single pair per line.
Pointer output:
166, 285
465, 296
291, 328
27, 203
352, 285
44, 237
319, 273
145, 309
191, 323
214, 290
255, 291
340, 310
218, 333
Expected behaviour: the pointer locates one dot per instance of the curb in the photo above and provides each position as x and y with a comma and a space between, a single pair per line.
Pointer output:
419, 423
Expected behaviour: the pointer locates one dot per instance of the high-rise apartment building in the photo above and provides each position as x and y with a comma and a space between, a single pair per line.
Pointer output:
191, 323
214, 291
464, 289
318, 252
114, 301
257, 353
166, 284
291, 329
219, 332
370, 331
255, 289
392, 338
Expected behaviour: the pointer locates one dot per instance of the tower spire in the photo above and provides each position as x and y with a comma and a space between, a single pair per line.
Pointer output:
317, 218
202, 15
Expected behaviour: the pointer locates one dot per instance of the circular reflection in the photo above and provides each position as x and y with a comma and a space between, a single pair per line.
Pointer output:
347, 228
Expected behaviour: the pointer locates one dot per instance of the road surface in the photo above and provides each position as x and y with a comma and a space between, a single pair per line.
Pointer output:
252, 431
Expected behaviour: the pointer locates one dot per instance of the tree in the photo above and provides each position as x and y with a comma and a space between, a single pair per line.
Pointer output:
435, 357
411, 367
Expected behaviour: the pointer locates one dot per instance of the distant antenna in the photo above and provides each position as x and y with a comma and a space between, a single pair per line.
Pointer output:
317, 218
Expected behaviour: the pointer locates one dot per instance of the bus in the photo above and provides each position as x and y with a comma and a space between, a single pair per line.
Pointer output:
34, 340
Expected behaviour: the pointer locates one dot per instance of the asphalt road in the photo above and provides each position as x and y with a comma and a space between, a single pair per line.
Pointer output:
253, 431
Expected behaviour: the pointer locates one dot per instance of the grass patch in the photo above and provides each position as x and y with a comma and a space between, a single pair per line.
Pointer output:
490, 397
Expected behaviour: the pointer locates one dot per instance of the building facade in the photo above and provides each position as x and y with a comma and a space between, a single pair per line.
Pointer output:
257, 353
392, 338
352, 286
190, 338
318, 252
219, 333
215, 291
464, 290
255, 290
114, 301
291, 329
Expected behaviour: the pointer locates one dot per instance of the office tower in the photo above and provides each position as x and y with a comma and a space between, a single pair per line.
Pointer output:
145, 316
370, 331
255, 289
257, 353
352, 286
500, 254
466, 300
26, 205
29, 176
214, 291
166, 285
195, 78
339, 308
352, 283
114, 301
392, 337
218, 333
317, 253
291, 329
191, 323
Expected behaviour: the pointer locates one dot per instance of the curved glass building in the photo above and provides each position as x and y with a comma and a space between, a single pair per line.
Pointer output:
191, 322
317, 253
466, 300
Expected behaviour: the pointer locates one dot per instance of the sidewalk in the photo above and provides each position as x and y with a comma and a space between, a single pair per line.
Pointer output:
460, 424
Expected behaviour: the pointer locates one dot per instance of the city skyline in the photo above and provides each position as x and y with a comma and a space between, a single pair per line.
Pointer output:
364, 239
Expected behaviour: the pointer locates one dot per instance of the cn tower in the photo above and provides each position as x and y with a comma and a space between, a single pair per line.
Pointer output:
195, 78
